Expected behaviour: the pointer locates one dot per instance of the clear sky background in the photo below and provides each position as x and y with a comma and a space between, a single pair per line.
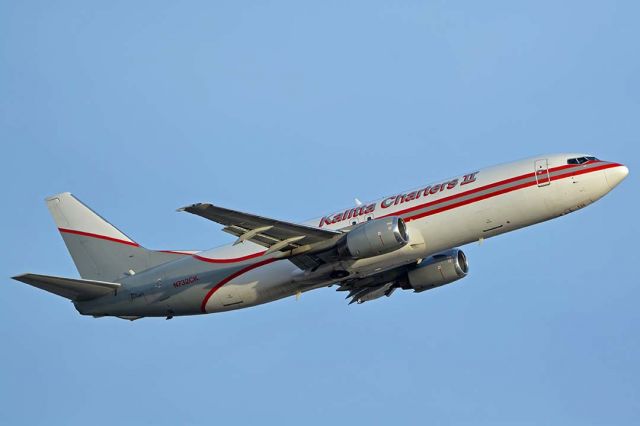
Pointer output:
290, 110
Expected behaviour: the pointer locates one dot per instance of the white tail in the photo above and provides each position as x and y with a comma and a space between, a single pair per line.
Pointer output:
72, 216
99, 250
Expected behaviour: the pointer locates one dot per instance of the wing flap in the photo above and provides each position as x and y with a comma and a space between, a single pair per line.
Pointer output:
70, 288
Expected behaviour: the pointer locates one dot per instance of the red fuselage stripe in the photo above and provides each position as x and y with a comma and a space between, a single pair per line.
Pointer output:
203, 305
102, 237
134, 244
500, 192
495, 184
230, 260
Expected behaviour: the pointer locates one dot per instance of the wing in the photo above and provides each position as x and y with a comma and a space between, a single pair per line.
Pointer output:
299, 242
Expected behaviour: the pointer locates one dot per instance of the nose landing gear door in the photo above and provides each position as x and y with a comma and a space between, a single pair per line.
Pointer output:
542, 172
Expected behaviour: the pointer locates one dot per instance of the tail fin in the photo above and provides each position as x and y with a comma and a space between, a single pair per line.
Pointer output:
99, 250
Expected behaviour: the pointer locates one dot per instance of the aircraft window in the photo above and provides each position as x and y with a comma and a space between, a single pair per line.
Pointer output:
581, 160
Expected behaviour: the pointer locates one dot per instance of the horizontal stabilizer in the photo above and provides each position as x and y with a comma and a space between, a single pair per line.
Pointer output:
71, 288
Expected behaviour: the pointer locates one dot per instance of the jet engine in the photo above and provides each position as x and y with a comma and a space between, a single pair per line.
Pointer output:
440, 269
373, 238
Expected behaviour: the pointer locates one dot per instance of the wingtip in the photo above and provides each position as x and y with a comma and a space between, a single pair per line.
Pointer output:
20, 277
186, 208
191, 207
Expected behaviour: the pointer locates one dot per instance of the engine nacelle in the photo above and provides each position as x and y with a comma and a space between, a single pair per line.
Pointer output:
441, 269
373, 238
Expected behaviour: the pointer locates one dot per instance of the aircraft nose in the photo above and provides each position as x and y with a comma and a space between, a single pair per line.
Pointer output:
615, 175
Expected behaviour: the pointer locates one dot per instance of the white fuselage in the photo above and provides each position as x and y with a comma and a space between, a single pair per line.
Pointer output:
445, 214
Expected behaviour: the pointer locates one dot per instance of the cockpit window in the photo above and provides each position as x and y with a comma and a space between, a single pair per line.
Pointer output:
581, 160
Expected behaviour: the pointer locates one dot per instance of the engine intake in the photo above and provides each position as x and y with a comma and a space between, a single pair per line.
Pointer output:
441, 269
373, 238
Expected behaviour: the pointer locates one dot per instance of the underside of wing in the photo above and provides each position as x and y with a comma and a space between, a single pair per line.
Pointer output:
299, 242
361, 290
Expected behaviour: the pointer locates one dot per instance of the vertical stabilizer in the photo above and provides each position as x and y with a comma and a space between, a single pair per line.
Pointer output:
99, 250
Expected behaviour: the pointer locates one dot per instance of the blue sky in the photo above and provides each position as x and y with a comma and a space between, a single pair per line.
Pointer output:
290, 110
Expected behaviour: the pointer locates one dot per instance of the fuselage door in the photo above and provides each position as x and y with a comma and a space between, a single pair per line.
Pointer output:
542, 172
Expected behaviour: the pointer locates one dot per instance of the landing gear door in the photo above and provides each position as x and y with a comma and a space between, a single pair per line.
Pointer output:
542, 172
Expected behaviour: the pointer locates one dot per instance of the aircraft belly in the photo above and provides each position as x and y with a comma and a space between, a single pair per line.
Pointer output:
260, 285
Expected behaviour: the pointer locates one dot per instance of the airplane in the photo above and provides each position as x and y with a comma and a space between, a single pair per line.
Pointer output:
408, 240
